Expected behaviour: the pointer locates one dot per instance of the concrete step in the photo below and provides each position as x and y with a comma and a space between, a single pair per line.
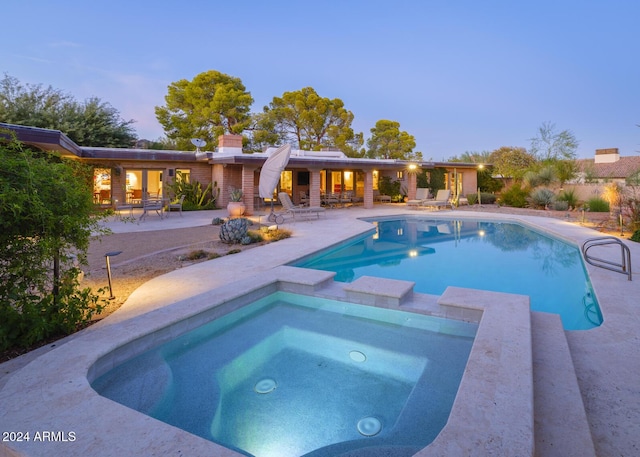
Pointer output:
560, 421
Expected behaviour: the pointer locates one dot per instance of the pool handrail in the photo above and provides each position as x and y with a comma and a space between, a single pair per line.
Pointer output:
623, 267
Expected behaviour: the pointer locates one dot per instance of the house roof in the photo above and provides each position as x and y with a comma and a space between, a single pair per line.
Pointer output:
621, 169
45, 139
54, 140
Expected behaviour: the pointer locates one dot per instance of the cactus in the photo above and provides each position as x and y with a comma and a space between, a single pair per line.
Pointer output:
234, 230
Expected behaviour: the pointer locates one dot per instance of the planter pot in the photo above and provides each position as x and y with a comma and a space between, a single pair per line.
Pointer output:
235, 209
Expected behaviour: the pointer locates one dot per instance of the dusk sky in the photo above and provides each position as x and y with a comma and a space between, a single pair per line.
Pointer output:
457, 75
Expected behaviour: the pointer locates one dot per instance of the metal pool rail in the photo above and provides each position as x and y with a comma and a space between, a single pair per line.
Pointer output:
623, 267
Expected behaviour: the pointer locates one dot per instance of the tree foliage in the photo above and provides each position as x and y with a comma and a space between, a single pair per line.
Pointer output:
90, 123
46, 210
210, 105
389, 142
552, 145
511, 162
309, 121
472, 157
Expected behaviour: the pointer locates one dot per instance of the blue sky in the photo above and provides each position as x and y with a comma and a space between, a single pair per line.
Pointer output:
457, 75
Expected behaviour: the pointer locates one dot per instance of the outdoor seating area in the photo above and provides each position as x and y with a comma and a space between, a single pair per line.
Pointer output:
150, 205
441, 200
293, 210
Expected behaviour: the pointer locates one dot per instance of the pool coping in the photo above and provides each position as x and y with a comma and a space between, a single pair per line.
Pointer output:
483, 394
59, 390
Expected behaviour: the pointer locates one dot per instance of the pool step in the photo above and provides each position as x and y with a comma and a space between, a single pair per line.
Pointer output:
560, 421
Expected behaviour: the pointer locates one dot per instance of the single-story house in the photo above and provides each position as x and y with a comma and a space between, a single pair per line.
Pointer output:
129, 175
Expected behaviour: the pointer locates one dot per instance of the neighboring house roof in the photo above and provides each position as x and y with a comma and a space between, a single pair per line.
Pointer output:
620, 169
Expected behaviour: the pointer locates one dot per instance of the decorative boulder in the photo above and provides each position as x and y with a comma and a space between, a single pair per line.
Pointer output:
234, 230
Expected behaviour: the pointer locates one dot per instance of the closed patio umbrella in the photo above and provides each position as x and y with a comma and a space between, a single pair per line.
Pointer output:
270, 173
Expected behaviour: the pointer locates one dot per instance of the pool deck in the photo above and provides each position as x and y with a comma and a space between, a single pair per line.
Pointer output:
606, 360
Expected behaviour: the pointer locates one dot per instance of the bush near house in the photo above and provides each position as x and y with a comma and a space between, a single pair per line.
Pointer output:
515, 196
196, 198
570, 197
541, 198
485, 198
47, 217
598, 205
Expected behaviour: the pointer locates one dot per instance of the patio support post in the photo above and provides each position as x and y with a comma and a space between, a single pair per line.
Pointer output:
314, 187
248, 188
412, 179
368, 189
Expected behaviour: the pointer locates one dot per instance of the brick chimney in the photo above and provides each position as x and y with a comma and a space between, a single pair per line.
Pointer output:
610, 155
230, 144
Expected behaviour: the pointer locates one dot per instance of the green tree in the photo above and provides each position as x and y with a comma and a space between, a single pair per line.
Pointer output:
46, 220
511, 162
210, 105
472, 157
389, 142
310, 121
552, 145
90, 123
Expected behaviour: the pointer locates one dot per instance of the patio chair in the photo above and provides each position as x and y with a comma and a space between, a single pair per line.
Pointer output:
292, 209
441, 200
120, 208
177, 205
422, 194
149, 205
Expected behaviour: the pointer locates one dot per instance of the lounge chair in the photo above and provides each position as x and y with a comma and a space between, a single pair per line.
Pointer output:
422, 194
441, 200
294, 210
378, 197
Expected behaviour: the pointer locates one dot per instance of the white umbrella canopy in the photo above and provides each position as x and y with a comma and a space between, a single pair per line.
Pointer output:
271, 170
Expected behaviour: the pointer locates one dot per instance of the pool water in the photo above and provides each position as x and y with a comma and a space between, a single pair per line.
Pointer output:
293, 375
497, 256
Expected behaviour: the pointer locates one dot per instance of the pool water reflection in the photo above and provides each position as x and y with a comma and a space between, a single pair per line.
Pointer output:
497, 256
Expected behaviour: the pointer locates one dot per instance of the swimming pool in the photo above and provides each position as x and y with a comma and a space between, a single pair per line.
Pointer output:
292, 375
498, 256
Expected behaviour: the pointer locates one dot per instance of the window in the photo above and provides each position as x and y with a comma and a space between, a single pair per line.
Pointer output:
183, 174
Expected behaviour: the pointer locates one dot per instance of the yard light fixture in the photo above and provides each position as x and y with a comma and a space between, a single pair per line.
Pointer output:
107, 256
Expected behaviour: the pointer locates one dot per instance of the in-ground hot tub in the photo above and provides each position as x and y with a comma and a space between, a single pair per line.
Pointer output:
292, 375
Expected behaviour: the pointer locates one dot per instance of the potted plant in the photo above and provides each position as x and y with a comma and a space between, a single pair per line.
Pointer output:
235, 207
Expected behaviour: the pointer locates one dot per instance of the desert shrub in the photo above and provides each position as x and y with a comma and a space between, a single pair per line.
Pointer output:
559, 205
514, 196
275, 235
598, 205
486, 197
569, 196
541, 198
195, 197
390, 187
234, 230
200, 254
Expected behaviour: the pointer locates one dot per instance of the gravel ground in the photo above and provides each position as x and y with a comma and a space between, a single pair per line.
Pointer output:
146, 255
